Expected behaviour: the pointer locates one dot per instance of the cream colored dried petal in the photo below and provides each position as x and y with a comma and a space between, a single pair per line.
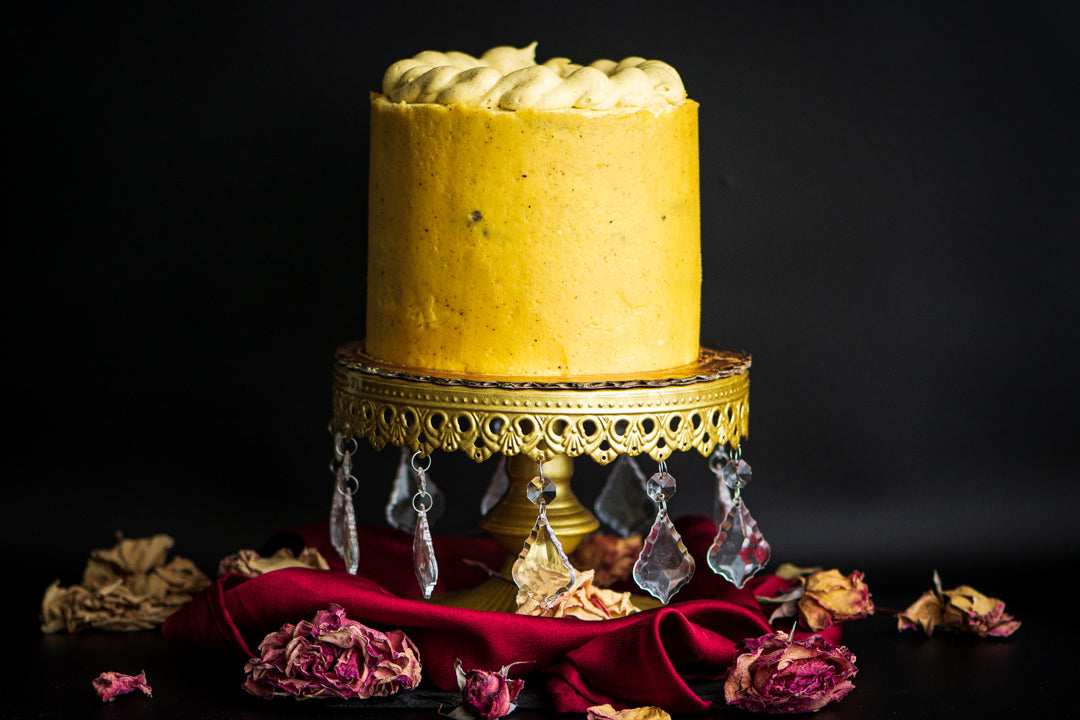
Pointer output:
137, 556
607, 712
250, 563
583, 600
926, 613
788, 571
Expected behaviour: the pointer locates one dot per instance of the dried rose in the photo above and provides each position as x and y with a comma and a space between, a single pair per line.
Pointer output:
127, 587
333, 656
963, 609
777, 674
607, 712
485, 694
611, 556
109, 685
582, 600
968, 610
830, 597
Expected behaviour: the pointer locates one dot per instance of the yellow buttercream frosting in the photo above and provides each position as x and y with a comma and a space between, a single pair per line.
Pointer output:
540, 242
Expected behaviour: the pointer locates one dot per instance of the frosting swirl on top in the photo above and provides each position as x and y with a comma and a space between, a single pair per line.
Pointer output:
510, 79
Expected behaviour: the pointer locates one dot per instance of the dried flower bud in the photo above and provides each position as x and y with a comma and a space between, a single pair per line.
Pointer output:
485, 694
333, 656
830, 597
777, 674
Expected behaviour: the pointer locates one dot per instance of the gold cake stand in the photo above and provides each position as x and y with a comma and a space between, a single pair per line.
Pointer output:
530, 421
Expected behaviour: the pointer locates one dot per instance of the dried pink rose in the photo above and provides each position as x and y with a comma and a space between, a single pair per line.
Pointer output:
485, 694
333, 656
108, 685
780, 675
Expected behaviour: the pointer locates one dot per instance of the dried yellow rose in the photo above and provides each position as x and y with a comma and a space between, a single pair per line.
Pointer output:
127, 587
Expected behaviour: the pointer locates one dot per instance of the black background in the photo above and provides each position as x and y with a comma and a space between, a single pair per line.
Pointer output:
889, 197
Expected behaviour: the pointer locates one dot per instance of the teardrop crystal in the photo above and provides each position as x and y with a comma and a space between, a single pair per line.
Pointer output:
739, 549
337, 519
352, 541
542, 549
623, 504
664, 564
427, 569
500, 481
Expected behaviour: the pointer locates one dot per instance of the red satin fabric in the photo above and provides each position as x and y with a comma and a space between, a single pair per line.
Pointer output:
648, 658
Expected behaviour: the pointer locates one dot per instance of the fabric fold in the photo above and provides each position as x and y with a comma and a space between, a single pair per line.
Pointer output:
648, 658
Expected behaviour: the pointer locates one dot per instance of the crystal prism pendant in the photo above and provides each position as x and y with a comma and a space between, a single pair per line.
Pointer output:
500, 481
542, 548
427, 569
722, 501
664, 565
400, 513
623, 503
337, 517
352, 542
739, 550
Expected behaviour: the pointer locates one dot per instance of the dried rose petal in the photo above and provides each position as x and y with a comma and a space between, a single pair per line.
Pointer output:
607, 712
926, 613
333, 656
777, 674
485, 694
829, 597
250, 563
109, 685
583, 600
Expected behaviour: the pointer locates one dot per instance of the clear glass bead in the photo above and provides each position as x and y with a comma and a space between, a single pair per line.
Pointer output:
661, 486
541, 490
737, 473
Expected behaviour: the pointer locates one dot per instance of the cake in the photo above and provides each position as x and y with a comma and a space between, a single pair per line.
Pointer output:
536, 221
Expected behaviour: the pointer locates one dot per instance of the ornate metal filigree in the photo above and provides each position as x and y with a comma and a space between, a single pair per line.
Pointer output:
694, 409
